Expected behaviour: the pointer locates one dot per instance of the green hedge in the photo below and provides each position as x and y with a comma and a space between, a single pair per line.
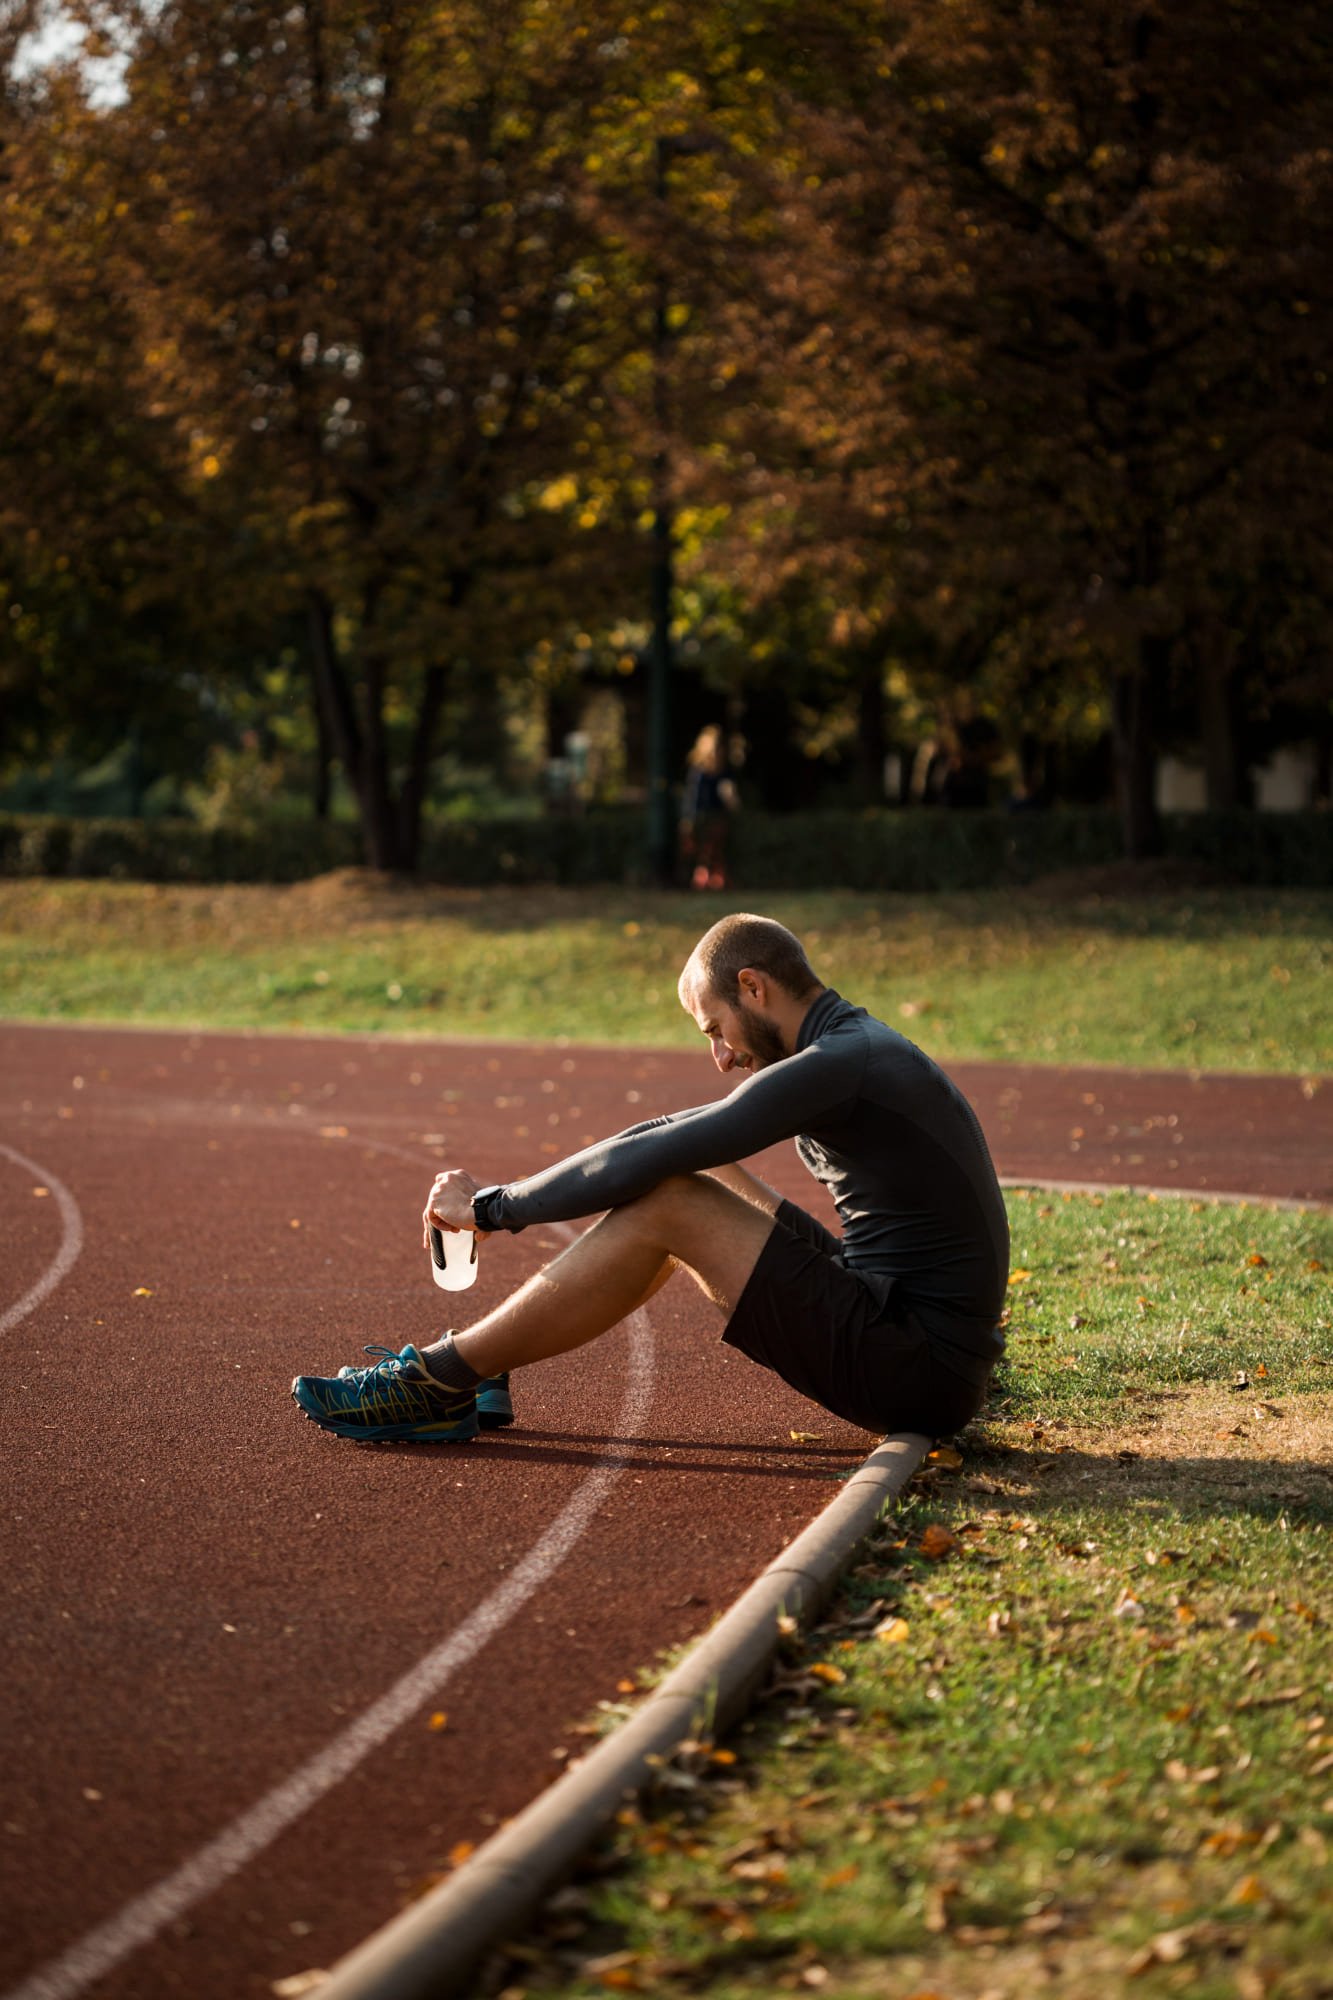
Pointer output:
170, 850
913, 851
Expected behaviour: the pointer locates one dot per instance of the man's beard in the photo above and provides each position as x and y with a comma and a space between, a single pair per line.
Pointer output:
764, 1041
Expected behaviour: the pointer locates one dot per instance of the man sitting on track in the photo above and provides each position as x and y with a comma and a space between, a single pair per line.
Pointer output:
893, 1326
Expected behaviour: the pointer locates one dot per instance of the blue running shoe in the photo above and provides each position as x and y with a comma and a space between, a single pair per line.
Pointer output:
349, 1374
396, 1398
495, 1405
495, 1408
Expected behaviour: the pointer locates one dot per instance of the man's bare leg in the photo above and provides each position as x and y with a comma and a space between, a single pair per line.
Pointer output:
742, 1182
693, 1221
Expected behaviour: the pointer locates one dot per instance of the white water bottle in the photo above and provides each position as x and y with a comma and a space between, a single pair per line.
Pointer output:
453, 1258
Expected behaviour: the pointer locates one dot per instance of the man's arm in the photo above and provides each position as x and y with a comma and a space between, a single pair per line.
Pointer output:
775, 1103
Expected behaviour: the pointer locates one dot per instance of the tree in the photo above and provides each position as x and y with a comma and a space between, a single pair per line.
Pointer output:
92, 623
1058, 312
354, 245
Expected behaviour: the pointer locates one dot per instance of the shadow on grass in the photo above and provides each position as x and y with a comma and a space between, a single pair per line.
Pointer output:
1063, 1479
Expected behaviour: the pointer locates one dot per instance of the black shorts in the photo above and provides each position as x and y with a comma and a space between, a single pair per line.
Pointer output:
813, 1322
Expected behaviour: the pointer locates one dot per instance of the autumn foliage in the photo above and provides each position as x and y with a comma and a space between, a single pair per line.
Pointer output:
982, 349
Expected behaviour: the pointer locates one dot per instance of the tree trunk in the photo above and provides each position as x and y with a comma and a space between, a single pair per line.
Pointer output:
362, 754
412, 797
1215, 662
872, 740
333, 699
378, 819
323, 753
1132, 704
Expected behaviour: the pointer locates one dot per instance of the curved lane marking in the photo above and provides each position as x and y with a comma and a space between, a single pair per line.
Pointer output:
108, 1944
71, 1242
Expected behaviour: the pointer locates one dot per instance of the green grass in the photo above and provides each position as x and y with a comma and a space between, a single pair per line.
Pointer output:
1114, 1298
1069, 1725
1236, 980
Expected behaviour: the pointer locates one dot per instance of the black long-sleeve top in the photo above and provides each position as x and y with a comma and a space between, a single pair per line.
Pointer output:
880, 1126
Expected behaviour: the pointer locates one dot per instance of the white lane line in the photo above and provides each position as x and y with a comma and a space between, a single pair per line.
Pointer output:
106, 1946
71, 1242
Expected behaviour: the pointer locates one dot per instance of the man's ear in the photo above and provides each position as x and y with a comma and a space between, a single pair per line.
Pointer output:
753, 983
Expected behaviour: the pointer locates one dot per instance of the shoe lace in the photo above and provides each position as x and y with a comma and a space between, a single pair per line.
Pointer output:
360, 1376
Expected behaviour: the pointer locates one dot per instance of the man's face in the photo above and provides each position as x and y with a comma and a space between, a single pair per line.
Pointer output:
741, 1036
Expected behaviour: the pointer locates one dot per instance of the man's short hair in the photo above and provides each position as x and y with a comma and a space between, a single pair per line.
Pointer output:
736, 942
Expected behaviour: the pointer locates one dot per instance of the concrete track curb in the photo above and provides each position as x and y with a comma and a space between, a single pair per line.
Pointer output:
1216, 1197
430, 1951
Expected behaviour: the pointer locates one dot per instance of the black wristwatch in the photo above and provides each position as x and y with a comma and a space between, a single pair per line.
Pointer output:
482, 1202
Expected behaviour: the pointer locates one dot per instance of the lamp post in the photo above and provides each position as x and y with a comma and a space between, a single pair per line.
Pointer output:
661, 844
661, 658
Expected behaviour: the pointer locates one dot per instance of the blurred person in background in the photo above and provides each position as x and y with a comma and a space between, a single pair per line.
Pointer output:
710, 798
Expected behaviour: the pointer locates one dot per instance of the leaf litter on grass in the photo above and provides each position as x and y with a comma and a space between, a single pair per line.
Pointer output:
1068, 1727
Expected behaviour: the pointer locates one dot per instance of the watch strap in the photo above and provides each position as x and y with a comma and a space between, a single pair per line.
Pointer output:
483, 1206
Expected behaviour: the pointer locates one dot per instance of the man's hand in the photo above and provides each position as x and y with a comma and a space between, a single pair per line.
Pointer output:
449, 1204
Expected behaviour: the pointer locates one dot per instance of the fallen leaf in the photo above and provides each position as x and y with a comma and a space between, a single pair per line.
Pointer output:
938, 1896
142, 1292
39, 1191
1181, 1774
824, 1670
438, 1721
806, 1437
1167, 1948
892, 1632
615, 1969
1018, 1277
937, 1542
841, 1876
944, 1455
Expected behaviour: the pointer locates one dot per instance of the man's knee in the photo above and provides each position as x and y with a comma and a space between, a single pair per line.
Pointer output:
677, 1194
687, 1214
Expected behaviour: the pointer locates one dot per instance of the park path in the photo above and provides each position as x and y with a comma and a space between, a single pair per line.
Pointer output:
204, 1593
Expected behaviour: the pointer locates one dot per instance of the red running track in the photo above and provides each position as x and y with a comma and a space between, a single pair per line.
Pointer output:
227, 1634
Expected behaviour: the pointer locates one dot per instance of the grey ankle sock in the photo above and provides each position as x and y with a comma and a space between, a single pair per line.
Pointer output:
446, 1365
